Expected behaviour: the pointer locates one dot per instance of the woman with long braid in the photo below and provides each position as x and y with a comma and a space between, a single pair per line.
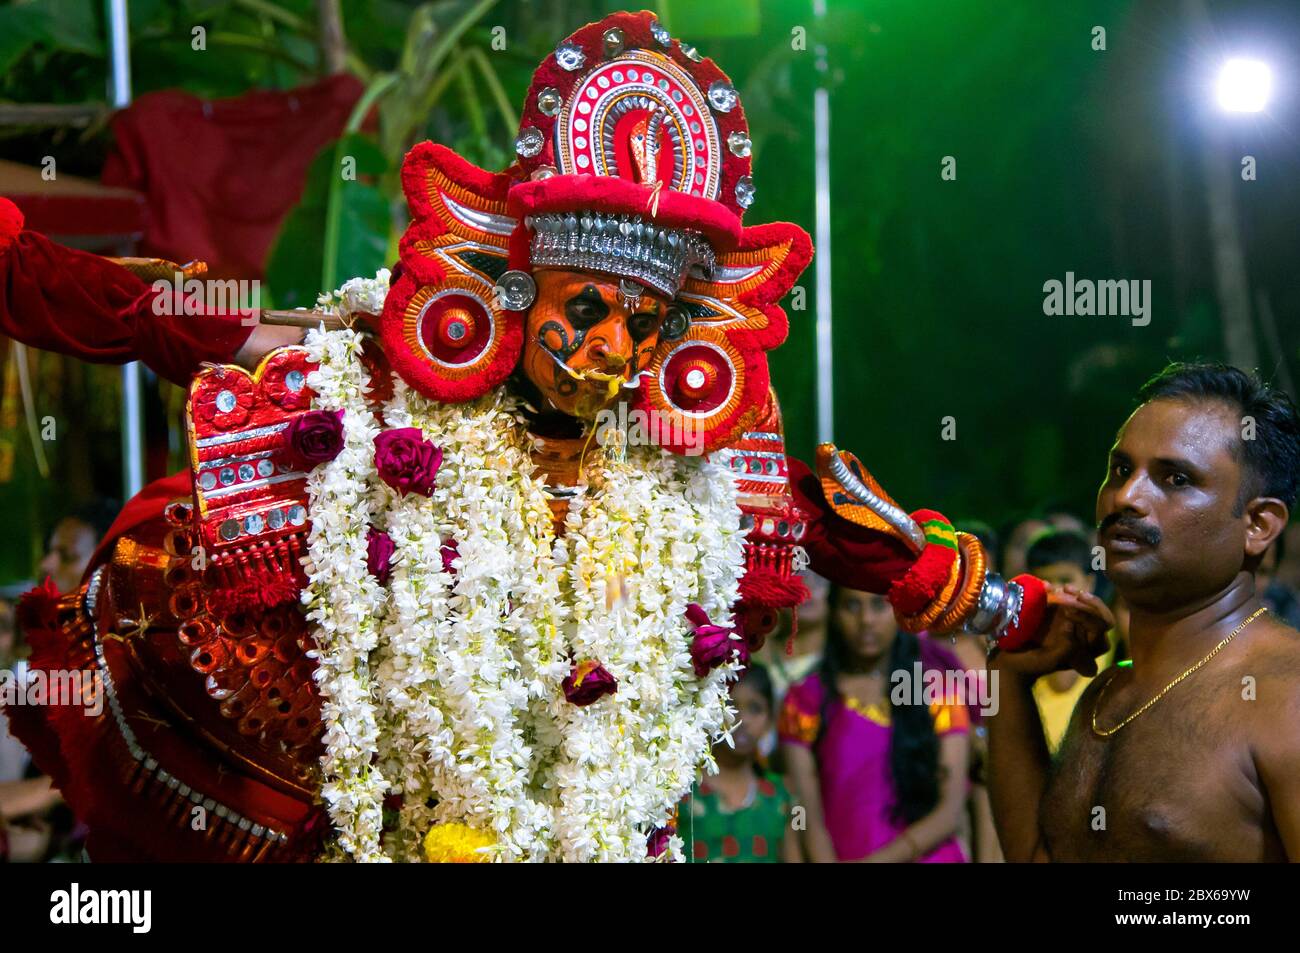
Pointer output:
882, 779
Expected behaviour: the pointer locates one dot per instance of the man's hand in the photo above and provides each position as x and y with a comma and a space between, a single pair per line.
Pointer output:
1075, 634
264, 339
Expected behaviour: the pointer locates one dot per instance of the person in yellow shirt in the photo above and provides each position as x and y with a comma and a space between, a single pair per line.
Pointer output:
1063, 557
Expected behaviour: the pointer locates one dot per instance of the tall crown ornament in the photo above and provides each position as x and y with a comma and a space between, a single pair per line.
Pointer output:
634, 162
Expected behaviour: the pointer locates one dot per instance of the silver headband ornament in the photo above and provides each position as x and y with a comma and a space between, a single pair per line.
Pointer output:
626, 246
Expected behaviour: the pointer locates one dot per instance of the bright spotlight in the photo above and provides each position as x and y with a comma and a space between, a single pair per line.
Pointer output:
1244, 85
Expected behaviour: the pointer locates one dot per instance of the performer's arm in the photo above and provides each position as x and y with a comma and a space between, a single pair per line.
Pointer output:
72, 302
1019, 759
264, 339
943, 822
843, 552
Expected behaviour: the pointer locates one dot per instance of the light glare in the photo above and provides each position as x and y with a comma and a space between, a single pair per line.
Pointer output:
1244, 85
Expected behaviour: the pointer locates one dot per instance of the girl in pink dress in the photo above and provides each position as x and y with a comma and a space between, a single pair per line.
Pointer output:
883, 778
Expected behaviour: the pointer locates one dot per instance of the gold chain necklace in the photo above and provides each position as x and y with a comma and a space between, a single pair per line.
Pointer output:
1164, 691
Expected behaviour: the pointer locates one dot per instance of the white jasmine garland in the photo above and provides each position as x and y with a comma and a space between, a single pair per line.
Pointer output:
634, 563
446, 687
344, 602
357, 296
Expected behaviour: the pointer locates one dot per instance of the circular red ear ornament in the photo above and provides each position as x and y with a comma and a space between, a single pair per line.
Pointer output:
701, 388
450, 340
697, 380
456, 328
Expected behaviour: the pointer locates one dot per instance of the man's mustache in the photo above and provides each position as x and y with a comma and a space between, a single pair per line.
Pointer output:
1132, 525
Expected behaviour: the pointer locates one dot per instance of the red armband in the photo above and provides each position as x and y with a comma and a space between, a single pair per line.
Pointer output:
1023, 630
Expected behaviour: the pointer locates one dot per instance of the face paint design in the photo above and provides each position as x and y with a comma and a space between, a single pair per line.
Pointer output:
580, 336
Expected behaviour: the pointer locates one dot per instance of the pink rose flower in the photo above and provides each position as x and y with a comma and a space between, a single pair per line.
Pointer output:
657, 842
379, 554
713, 644
450, 551
406, 461
316, 437
588, 682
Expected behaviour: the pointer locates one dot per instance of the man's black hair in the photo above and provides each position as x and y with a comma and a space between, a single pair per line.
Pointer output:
1059, 546
1272, 458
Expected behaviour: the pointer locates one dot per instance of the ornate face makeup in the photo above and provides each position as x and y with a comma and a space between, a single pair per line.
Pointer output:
594, 326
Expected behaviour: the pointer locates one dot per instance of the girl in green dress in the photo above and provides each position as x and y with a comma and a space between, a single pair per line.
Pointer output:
741, 814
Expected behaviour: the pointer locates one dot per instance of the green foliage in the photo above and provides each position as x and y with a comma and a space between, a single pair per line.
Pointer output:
340, 228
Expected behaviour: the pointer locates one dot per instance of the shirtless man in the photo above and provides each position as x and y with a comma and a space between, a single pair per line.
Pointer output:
1200, 483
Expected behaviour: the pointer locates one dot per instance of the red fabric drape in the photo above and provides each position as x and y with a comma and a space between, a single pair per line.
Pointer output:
221, 175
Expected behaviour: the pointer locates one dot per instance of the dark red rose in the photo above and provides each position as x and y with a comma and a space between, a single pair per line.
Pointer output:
406, 461
450, 552
38, 609
657, 842
588, 682
317, 436
713, 644
379, 554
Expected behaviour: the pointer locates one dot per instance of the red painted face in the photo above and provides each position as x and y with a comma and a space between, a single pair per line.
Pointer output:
582, 323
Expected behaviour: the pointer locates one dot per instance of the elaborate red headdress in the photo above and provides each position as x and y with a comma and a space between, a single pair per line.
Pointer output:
634, 161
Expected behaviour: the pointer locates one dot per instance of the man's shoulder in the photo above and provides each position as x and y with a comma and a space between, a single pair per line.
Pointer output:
1275, 650
1267, 675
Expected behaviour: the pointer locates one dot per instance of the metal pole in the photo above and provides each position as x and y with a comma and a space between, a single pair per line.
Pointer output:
1231, 278
822, 258
132, 407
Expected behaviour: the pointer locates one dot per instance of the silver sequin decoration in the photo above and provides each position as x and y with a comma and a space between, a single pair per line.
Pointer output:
570, 56
722, 96
662, 36
294, 381
739, 144
613, 42
226, 401
745, 191
516, 290
529, 142
549, 101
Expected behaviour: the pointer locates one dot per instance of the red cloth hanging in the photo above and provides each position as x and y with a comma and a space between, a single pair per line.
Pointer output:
221, 175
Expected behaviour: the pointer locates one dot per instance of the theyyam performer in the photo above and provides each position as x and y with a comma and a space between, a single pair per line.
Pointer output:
464, 572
